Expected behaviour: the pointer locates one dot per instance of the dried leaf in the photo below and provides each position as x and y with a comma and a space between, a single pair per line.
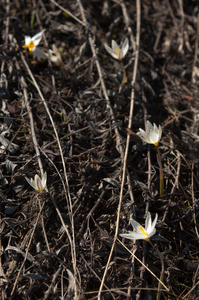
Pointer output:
113, 182
3, 181
34, 276
29, 256
71, 285
10, 210
82, 50
10, 166
5, 143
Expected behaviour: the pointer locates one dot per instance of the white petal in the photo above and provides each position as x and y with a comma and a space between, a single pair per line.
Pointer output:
135, 225
39, 53
115, 45
149, 126
154, 223
44, 179
54, 59
152, 233
37, 37
144, 135
55, 56
155, 128
31, 182
27, 39
110, 51
160, 132
52, 56
148, 223
125, 48
38, 183
133, 236
153, 137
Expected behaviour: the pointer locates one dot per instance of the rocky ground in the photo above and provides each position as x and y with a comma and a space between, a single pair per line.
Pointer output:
77, 120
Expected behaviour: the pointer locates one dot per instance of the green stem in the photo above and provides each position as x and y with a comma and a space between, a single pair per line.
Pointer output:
161, 172
162, 272
124, 79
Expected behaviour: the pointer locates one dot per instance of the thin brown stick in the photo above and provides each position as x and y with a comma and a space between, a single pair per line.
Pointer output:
27, 249
161, 191
128, 22
68, 12
194, 68
127, 144
66, 185
96, 275
191, 290
194, 200
162, 271
42, 222
32, 126
109, 106
144, 265
7, 20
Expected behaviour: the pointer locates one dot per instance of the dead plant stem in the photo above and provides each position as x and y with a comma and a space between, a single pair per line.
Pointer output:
124, 79
66, 185
160, 283
127, 144
27, 249
161, 171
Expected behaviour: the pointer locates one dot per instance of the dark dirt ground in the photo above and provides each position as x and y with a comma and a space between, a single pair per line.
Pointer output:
57, 245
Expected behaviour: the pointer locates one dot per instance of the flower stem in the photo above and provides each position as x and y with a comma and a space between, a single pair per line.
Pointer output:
124, 79
162, 271
161, 171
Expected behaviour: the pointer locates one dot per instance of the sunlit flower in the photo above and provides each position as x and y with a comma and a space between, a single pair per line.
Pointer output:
32, 42
140, 232
117, 51
39, 184
152, 135
55, 56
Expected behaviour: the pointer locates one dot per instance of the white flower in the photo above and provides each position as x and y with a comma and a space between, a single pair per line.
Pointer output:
55, 56
152, 135
116, 51
32, 42
39, 184
140, 232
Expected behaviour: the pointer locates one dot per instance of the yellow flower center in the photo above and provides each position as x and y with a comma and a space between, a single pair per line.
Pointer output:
144, 233
40, 191
117, 51
30, 46
156, 144
142, 230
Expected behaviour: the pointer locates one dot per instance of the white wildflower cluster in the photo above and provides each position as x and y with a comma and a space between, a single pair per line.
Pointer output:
152, 135
53, 54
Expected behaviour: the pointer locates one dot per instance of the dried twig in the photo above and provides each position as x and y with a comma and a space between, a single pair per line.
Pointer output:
195, 68
109, 106
68, 12
26, 254
66, 188
128, 22
144, 266
127, 144
34, 139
